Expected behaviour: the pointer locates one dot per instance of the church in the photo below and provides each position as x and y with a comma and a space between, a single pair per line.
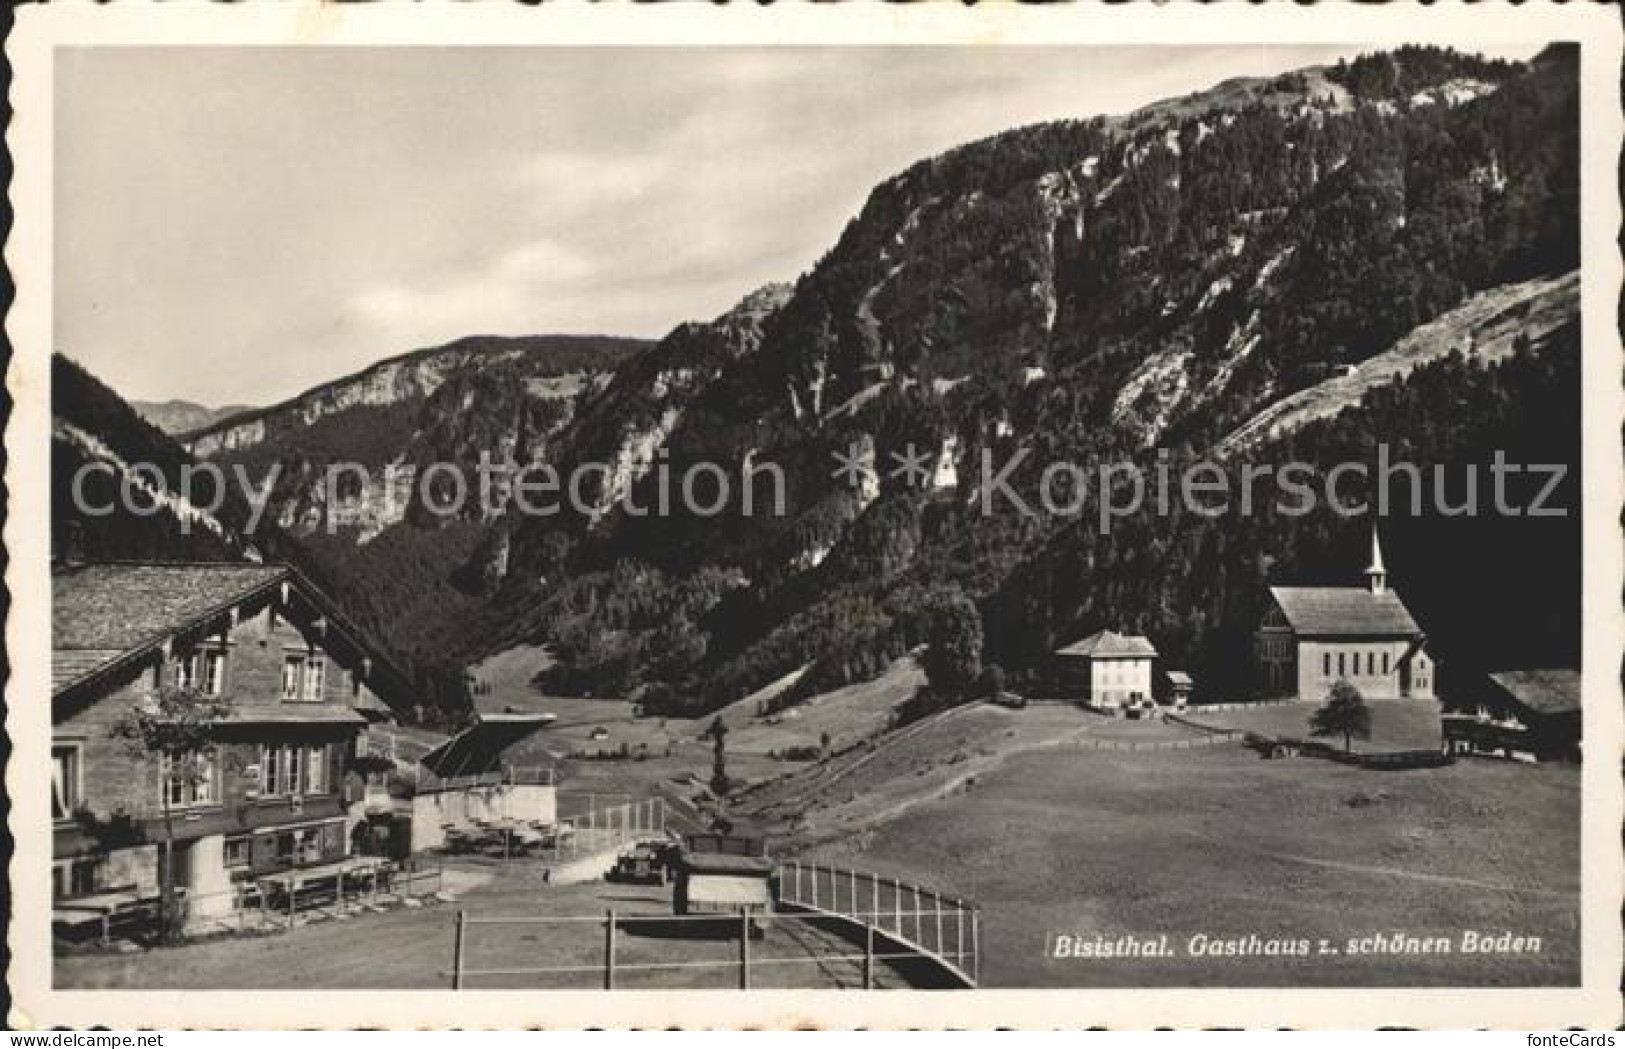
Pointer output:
1311, 636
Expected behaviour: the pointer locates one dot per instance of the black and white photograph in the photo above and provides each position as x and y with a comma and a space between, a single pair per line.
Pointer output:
783, 515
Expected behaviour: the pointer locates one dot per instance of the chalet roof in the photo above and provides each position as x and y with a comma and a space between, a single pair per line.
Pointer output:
481, 746
69, 665
1178, 677
121, 606
101, 613
1542, 691
1109, 644
1344, 611
727, 863
106, 615
294, 714
371, 708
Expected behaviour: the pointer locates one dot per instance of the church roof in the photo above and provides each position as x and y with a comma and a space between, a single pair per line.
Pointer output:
1108, 644
1344, 611
1542, 691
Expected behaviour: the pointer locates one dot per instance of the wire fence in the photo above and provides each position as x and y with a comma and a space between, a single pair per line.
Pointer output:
746, 949
597, 827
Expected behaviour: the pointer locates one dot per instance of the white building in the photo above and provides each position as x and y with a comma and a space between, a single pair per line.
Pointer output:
1114, 668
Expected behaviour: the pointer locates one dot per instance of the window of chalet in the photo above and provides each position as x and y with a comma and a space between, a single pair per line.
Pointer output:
64, 780
237, 851
303, 677
287, 769
300, 845
1328, 659
316, 770
204, 670
77, 877
186, 792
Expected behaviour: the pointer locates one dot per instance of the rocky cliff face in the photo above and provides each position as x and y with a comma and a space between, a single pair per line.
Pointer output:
178, 417
377, 431
415, 377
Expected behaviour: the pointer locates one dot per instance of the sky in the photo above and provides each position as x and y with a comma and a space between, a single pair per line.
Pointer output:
236, 225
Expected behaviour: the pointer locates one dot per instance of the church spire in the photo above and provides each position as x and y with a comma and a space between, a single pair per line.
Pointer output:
1376, 575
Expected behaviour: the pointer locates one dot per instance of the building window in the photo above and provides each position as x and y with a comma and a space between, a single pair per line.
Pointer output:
203, 670
293, 670
188, 788
64, 780
302, 845
303, 677
72, 878
1342, 667
280, 768
1370, 662
1327, 658
236, 852
1385, 665
316, 770
287, 769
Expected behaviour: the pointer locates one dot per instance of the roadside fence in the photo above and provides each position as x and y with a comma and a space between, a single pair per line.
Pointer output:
945, 928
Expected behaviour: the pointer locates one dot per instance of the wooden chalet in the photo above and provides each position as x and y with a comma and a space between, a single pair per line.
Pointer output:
1530, 714
275, 797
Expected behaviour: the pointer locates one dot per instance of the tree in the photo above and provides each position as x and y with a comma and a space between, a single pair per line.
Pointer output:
953, 656
1345, 714
718, 731
176, 729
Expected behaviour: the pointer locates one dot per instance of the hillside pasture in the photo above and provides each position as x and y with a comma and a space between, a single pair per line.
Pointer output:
934, 758
846, 715
1218, 842
1396, 724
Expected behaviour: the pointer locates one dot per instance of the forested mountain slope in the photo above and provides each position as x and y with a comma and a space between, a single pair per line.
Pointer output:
1097, 290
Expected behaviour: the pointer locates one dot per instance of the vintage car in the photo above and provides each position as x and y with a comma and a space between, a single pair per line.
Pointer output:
650, 862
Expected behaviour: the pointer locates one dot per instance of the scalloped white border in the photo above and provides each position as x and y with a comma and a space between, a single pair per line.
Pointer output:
39, 29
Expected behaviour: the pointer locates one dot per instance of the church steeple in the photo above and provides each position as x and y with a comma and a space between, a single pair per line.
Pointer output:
1376, 575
